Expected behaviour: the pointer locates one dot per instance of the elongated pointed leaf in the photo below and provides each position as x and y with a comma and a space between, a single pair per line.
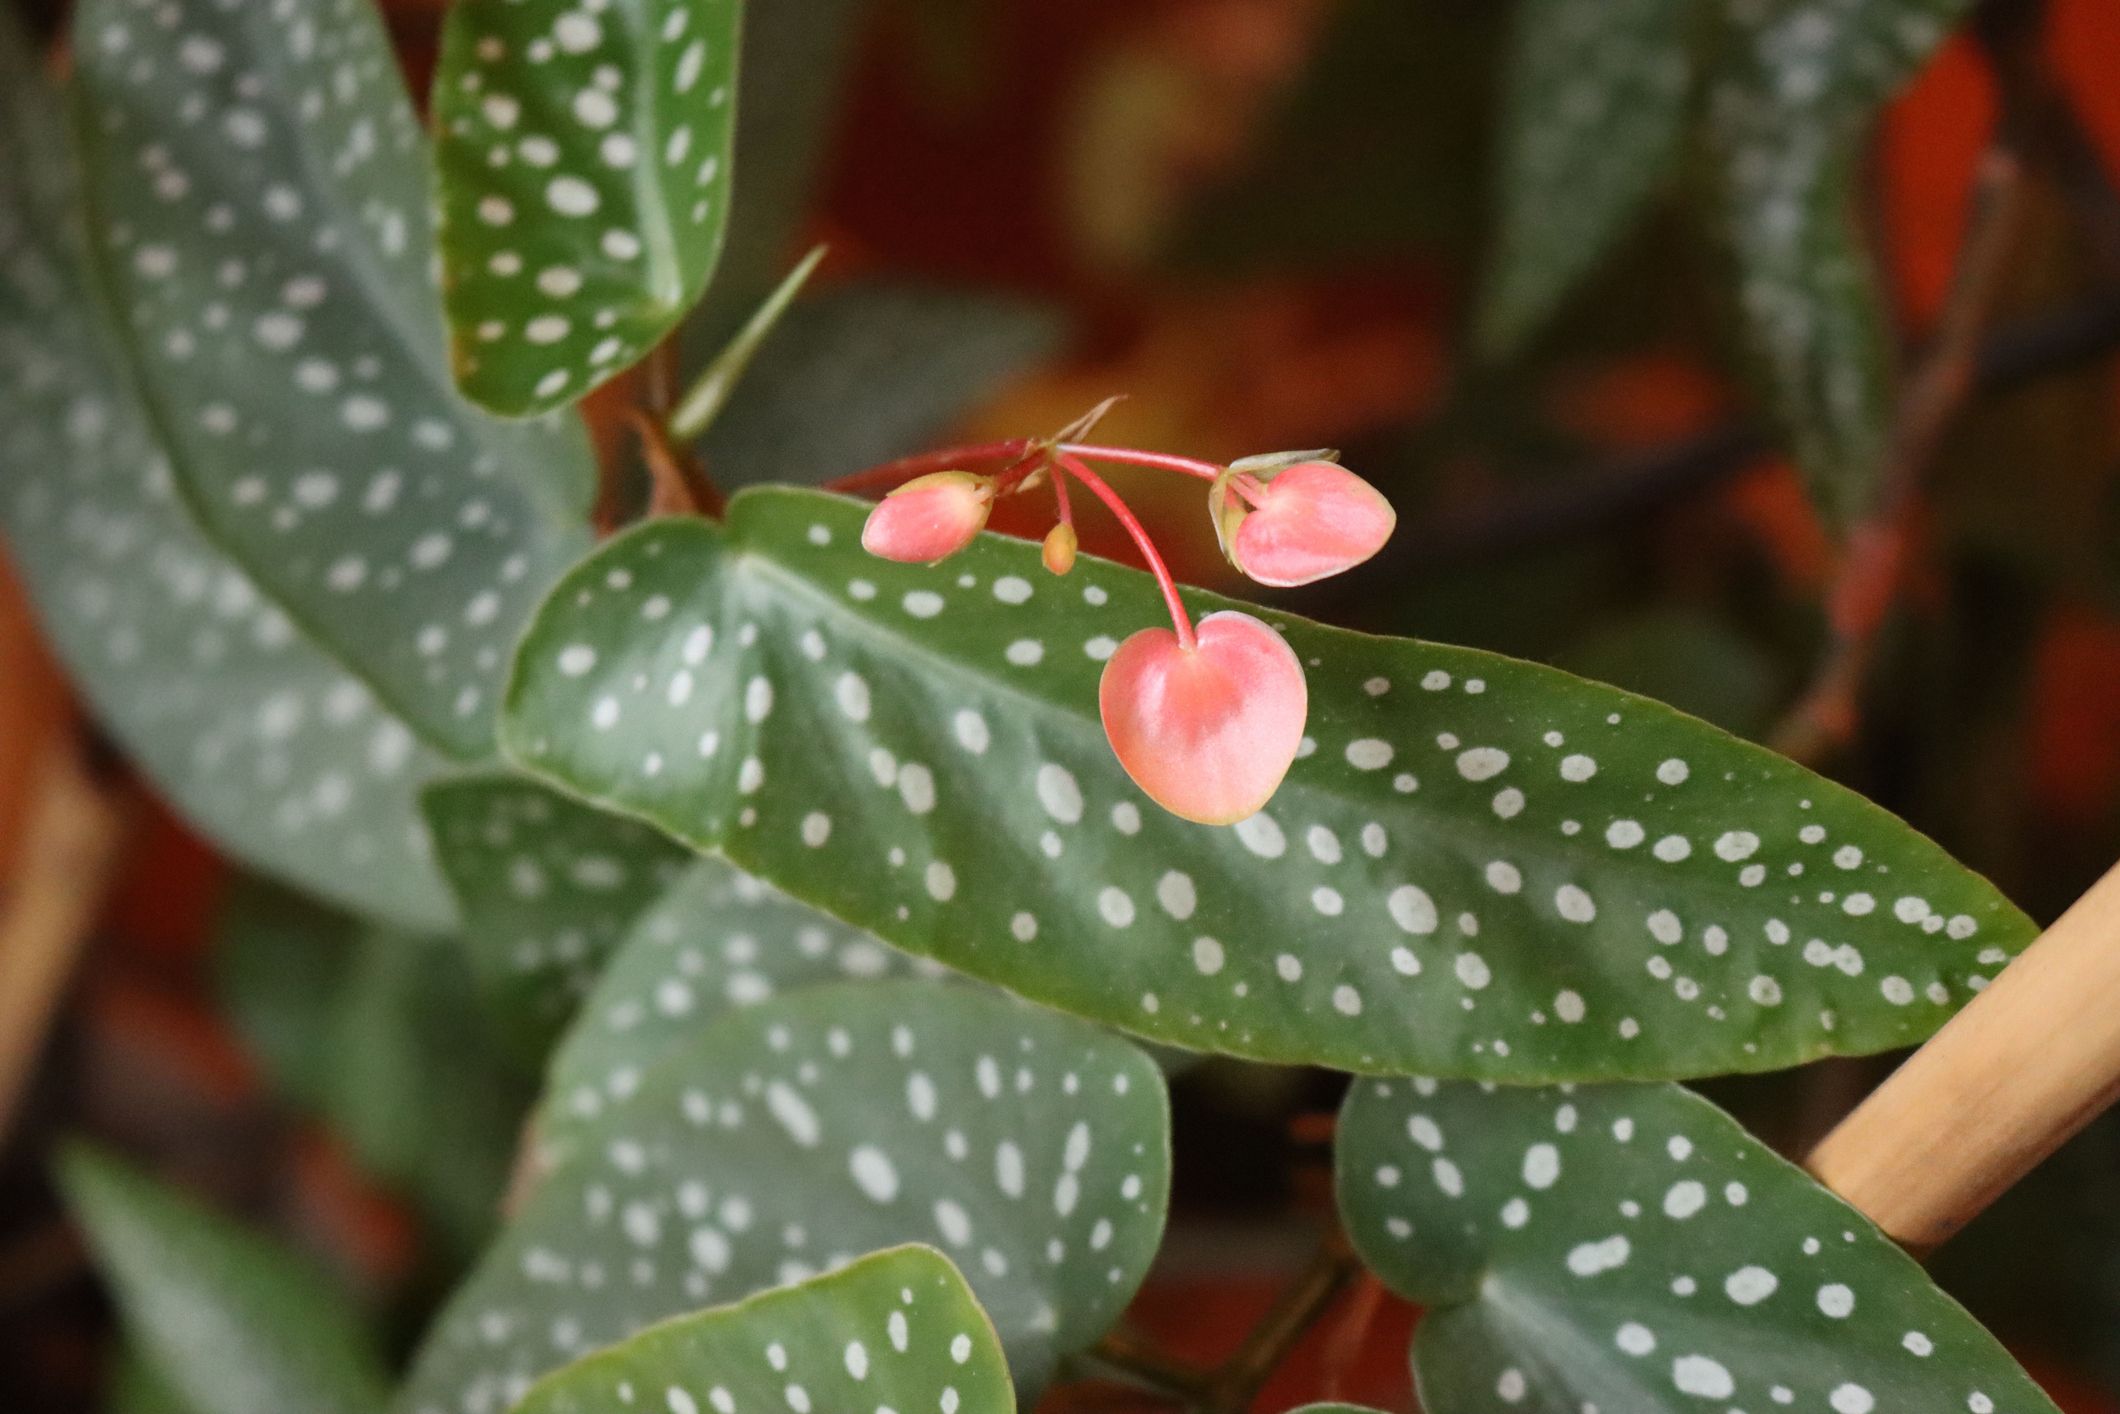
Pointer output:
718, 940
235, 1323
1596, 105
898, 1330
1631, 1247
261, 208
547, 887
263, 741
1799, 82
1482, 866
584, 165
798, 1134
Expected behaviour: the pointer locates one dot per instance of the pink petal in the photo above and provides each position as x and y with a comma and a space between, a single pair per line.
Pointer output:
929, 518
1314, 520
1208, 733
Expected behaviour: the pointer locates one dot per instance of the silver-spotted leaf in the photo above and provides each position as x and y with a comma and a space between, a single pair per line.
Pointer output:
583, 159
1479, 866
547, 886
1788, 105
719, 939
897, 1330
1596, 105
1630, 1247
261, 208
260, 739
233, 1322
796, 1135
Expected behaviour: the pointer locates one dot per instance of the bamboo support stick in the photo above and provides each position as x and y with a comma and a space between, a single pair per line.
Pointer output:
2029, 1062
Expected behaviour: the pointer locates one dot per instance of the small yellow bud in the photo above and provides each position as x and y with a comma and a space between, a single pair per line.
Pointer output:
1060, 544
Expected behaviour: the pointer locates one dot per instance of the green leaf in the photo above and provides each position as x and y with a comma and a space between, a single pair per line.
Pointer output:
718, 940
261, 207
415, 1086
895, 1330
1789, 103
1632, 1248
1596, 105
1483, 867
583, 160
547, 887
893, 364
794, 1135
260, 739
235, 1323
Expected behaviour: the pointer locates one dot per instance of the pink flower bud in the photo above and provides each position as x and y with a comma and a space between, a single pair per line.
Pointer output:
929, 518
1301, 523
1060, 546
1207, 732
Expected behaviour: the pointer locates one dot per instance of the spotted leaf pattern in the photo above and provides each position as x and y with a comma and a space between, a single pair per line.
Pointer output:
797, 1134
1477, 866
1796, 88
718, 940
1630, 1247
260, 199
897, 1330
262, 740
547, 887
233, 1322
1596, 107
583, 159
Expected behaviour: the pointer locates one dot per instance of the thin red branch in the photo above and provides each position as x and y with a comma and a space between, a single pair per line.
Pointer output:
1179, 619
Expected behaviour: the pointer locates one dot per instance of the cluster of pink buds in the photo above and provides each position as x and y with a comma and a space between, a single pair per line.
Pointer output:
1206, 719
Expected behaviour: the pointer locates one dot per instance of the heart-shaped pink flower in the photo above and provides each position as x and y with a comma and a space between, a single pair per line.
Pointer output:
929, 518
1301, 524
1207, 731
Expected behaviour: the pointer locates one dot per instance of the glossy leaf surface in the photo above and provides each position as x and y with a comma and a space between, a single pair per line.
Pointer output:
798, 1134
1631, 1247
547, 887
898, 1330
1596, 107
584, 158
234, 1323
261, 206
1480, 866
263, 741
717, 940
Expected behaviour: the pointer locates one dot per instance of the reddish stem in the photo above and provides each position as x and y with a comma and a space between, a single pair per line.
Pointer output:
1160, 461
920, 464
1179, 620
1067, 512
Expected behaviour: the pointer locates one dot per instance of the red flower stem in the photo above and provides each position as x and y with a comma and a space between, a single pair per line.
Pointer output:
1067, 512
947, 459
1159, 461
1179, 620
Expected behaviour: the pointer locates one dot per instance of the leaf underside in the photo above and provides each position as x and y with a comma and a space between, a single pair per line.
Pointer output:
261, 214
1479, 867
898, 1330
1630, 1247
797, 1134
583, 162
258, 737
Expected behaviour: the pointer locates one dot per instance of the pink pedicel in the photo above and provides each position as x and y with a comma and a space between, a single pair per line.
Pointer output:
929, 518
1207, 732
1303, 523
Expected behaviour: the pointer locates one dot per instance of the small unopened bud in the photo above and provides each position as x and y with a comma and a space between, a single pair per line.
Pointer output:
1299, 524
929, 518
1060, 546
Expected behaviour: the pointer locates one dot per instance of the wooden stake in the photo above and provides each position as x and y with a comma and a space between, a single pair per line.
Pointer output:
2029, 1062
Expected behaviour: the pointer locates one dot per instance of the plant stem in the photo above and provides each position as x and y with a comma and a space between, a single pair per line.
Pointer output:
890, 473
1157, 461
1179, 620
1128, 1353
1295, 1310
